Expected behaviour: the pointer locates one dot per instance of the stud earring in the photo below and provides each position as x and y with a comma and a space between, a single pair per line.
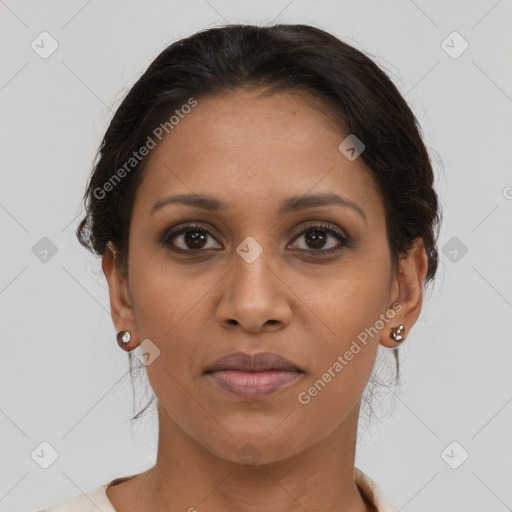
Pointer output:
123, 339
396, 333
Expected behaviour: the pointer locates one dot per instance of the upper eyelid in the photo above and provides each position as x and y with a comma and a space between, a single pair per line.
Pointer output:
328, 226
181, 229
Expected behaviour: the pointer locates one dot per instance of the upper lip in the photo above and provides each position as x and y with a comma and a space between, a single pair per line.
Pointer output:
259, 362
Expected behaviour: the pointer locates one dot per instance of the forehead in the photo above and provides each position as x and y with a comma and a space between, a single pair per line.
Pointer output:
238, 119
246, 145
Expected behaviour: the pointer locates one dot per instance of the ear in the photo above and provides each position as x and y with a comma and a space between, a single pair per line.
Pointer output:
407, 292
121, 307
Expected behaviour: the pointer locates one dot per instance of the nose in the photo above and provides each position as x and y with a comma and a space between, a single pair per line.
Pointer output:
254, 298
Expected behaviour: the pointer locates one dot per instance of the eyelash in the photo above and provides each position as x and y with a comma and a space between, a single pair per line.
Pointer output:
168, 236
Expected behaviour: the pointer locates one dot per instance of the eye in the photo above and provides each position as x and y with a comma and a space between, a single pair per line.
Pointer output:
189, 238
196, 238
316, 238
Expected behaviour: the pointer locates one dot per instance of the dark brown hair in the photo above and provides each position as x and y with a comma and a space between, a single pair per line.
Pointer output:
283, 58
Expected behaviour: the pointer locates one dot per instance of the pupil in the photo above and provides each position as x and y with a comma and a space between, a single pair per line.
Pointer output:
317, 237
195, 238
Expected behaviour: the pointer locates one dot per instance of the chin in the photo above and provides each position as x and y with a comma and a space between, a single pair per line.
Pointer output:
255, 447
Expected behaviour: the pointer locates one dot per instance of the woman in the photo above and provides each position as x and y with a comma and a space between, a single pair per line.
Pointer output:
264, 208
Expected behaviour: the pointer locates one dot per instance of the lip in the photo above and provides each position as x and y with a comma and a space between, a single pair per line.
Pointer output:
259, 362
253, 376
254, 385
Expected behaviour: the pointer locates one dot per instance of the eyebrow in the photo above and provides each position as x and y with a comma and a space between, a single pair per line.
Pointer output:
289, 205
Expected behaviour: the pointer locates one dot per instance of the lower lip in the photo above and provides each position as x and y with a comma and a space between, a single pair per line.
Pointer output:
254, 384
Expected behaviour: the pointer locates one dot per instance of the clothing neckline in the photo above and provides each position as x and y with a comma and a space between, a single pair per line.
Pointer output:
369, 489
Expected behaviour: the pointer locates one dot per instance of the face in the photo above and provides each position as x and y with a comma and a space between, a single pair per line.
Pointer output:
271, 262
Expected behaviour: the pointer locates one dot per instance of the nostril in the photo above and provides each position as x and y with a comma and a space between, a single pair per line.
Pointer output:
232, 322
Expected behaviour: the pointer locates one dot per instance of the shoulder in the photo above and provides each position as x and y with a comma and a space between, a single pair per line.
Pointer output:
91, 501
373, 492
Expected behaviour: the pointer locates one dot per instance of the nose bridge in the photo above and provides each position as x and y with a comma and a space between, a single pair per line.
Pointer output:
253, 295
252, 276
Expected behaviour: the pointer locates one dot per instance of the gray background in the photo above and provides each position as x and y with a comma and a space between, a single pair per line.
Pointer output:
63, 378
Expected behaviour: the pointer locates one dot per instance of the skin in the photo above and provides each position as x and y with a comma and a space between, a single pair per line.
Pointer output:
252, 151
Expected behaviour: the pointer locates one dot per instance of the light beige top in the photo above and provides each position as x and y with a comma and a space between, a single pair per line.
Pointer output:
97, 499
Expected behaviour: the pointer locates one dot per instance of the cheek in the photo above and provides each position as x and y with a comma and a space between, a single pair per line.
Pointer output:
347, 325
172, 306
165, 297
169, 311
344, 363
345, 302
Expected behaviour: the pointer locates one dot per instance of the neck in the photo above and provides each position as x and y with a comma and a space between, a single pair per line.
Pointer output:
187, 476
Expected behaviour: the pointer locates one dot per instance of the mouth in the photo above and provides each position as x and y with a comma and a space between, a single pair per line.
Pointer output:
254, 385
253, 376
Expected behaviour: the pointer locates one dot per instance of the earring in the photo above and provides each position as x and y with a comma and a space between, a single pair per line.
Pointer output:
123, 339
396, 333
